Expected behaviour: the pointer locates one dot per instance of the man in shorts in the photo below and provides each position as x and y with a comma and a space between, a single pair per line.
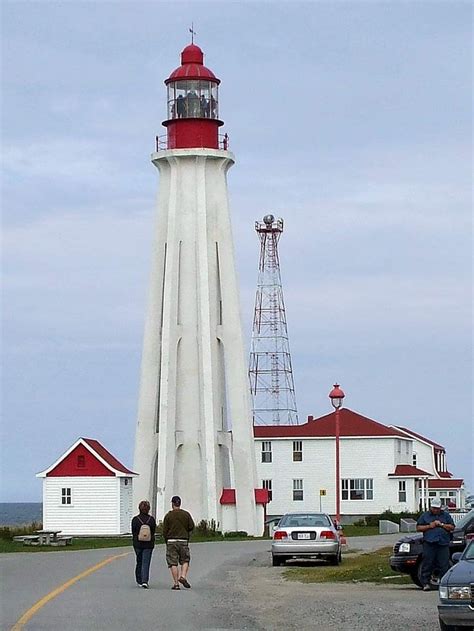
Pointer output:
177, 527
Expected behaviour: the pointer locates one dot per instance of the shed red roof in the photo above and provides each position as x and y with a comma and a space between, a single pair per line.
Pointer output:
445, 484
228, 496
350, 424
445, 474
86, 458
408, 470
106, 455
426, 440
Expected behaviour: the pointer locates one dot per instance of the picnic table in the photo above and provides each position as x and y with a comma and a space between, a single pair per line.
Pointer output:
47, 537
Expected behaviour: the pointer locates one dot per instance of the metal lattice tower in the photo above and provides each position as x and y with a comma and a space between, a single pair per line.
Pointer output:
270, 371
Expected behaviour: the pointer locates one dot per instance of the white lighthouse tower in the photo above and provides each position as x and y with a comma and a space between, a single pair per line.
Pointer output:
194, 435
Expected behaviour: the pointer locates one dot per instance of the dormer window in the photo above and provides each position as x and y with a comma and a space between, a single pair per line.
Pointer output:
81, 462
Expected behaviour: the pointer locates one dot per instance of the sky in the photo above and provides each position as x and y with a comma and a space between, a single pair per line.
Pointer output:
352, 121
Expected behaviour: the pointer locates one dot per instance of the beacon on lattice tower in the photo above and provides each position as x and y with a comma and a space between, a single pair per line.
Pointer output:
270, 370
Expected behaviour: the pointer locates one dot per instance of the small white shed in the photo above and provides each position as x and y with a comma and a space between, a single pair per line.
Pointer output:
87, 491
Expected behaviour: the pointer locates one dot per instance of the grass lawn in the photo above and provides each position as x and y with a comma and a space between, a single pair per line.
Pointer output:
370, 567
77, 544
85, 543
360, 531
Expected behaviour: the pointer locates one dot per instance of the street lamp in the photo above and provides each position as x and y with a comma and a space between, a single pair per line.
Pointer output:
337, 395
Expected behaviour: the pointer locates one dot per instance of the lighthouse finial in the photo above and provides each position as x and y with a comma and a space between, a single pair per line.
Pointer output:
193, 32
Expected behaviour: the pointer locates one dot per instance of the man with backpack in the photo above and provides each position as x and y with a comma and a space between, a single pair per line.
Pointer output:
143, 531
177, 527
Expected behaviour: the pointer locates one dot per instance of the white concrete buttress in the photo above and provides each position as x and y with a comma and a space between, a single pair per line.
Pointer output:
194, 432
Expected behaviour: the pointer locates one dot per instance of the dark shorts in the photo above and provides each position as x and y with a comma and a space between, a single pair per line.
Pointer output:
177, 552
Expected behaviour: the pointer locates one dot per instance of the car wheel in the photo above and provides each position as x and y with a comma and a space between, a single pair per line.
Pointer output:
276, 561
446, 627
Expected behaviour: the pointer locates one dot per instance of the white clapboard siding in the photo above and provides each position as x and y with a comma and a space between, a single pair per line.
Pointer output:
94, 509
126, 494
360, 457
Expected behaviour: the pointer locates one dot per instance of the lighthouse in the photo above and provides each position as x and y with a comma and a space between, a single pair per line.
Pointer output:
194, 433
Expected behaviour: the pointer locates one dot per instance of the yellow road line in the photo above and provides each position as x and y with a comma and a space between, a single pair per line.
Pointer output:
26, 617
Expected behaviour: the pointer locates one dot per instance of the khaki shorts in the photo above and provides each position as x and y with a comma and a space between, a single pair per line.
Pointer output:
177, 552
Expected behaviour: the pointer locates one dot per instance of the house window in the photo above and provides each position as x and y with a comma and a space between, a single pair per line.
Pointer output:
81, 462
267, 484
125, 482
402, 491
414, 459
66, 496
358, 489
266, 451
297, 450
432, 493
297, 490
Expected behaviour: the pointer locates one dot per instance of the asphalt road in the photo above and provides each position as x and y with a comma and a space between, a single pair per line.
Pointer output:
233, 587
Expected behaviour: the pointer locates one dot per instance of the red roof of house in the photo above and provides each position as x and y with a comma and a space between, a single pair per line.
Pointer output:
228, 496
350, 424
408, 470
426, 440
445, 484
106, 455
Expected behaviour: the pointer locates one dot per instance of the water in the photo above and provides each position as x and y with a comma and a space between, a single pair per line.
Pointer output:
20, 513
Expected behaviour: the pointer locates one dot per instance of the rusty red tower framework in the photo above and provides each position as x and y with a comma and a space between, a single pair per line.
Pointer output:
270, 370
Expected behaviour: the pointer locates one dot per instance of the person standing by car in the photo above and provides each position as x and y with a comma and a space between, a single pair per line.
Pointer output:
143, 533
436, 526
177, 527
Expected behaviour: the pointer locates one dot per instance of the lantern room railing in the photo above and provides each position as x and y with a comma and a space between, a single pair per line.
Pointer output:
161, 142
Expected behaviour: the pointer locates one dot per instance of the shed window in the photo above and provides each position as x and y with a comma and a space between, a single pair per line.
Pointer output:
66, 496
81, 462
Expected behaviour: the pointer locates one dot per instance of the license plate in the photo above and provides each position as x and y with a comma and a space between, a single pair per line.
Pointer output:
304, 535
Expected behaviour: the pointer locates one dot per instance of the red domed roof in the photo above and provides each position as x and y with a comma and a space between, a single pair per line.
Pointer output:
192, 66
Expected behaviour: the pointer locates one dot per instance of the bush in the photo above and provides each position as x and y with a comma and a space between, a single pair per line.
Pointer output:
208, 528
235, 533
373, 520
8, 532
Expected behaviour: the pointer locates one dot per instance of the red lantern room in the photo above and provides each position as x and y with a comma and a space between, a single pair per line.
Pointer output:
193, 103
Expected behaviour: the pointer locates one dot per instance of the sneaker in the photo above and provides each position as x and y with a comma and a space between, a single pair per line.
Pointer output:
184, 582
145, 585
426, 588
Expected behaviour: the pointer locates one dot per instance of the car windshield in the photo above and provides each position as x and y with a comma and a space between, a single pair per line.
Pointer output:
304, 520
469, 552
465, 520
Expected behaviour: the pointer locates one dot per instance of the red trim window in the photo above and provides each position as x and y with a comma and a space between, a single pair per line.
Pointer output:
81, 461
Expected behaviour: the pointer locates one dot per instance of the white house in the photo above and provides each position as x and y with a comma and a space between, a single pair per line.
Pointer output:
381, 467
87, 491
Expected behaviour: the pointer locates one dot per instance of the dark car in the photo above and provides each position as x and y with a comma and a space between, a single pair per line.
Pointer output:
408, 551
456, 593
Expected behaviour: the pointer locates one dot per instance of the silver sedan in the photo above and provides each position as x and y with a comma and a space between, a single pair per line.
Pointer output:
308, 536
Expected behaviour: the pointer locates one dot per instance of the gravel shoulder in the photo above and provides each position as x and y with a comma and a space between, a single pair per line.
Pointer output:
257, 596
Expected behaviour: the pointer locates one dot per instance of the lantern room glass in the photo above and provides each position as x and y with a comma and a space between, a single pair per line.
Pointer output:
193, 99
